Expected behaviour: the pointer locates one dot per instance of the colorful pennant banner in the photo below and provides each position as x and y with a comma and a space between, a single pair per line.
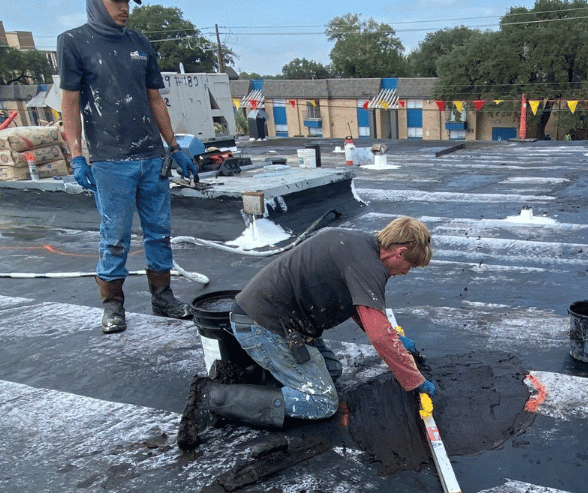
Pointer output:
479, 104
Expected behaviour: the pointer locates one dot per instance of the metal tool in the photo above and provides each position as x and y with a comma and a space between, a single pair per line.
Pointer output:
440, 457
442, 463
166, 166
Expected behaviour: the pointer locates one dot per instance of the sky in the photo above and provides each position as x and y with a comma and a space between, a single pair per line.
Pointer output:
267, 35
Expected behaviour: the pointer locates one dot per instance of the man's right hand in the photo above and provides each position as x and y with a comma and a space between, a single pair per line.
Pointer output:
83, 173
187, 167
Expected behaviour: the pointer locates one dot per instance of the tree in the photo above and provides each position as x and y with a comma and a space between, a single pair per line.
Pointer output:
24, 67
365, 48
176, 40
423, 60
256, 76
305, 69
539, 52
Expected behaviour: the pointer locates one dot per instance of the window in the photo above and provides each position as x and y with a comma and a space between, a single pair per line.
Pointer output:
456, 116
415, 133
313, 111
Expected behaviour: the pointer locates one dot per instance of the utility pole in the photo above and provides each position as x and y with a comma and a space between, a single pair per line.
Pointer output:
523, 121
221, 63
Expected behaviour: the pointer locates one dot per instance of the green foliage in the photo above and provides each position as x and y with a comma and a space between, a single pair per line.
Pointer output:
241, 123
539, 52
24, 67
305, 69
250, 76
423, 60
176, 40
256, 76
365, 48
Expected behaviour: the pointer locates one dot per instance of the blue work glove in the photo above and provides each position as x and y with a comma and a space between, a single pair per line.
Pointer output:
83, 173
408, 344
187, 167
426, 387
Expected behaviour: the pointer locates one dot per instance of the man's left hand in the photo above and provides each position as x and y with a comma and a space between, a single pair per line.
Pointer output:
426, 387
187, 167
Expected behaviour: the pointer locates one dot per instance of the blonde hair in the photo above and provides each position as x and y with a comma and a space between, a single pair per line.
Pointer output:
411, 233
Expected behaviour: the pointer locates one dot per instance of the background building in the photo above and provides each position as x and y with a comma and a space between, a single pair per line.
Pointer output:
386, 108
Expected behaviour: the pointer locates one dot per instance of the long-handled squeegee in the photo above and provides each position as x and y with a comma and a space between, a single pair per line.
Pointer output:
440, 457
442, 463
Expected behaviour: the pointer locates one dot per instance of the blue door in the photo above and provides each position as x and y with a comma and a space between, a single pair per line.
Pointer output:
414, 123
504, 133
363, 123
280, 121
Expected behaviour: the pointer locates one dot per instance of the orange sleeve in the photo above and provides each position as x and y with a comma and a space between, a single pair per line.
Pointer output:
385, 340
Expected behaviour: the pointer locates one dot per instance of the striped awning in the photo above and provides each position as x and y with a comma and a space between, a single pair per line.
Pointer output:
386, 99
38, 101
254, 95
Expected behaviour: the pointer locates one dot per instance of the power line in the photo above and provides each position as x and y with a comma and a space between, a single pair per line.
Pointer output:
394, 31
420, 21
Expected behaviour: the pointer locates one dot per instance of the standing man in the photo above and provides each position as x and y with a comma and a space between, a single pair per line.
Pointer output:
109, 74
280, 316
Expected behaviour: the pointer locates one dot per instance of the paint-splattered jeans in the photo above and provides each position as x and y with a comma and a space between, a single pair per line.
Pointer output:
122, 187
309, 391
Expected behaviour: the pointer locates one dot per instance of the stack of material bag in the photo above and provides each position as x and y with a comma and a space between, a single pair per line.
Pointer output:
46, 143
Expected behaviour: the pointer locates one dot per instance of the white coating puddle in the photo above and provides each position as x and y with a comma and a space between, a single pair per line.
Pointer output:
260, 233
526, 217
380, 166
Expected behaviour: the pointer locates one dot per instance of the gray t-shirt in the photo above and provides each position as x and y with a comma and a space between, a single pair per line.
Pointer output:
112, 75
316, 285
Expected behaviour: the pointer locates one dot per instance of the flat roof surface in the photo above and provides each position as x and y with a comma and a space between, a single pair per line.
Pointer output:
86, 411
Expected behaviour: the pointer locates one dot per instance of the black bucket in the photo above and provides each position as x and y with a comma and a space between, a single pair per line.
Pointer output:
578, 330
211, 316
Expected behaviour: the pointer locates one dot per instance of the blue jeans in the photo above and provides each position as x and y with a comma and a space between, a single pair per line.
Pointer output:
122, 187
308, 389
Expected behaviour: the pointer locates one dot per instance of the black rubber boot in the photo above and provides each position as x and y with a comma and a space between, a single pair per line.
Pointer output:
249, 404
163, 301
113, 298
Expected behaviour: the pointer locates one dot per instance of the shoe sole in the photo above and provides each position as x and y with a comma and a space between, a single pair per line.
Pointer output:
113, 329
195, 419
162, 313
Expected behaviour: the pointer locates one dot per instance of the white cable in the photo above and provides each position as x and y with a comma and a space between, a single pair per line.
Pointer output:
192, 276
254, 253
219, 246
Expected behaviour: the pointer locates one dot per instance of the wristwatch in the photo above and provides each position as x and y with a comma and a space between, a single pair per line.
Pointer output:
175, 148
